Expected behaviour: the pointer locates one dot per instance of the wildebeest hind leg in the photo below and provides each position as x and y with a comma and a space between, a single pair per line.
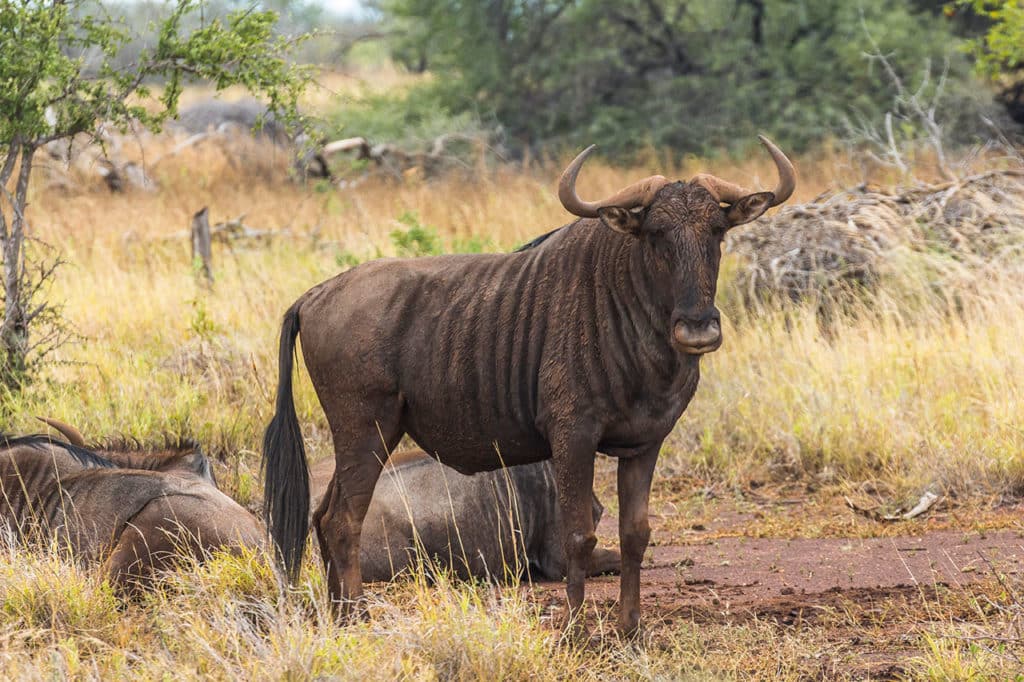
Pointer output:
129, 566
359, 457
333, 577
144, 546
634, 487
574, 478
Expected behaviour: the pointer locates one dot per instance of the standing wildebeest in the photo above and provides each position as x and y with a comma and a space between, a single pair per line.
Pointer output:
589, 340
496, 524
141, 521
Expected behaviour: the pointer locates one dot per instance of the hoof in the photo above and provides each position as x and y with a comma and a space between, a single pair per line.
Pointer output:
629, 625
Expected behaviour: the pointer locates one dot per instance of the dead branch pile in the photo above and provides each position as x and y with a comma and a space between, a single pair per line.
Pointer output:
444, 153
844, 241
233, 232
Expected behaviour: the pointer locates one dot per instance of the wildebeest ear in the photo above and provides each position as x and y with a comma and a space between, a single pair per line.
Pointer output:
621, 219
199, 464
750, 207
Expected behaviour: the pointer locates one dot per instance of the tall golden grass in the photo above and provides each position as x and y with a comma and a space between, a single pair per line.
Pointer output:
895, 390
903, 392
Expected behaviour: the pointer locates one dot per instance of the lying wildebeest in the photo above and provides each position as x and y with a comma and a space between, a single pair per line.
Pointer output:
589, 340
498, 524
140, 521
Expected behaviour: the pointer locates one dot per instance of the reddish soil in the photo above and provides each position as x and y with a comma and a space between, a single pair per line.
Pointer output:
867, 599
733, 579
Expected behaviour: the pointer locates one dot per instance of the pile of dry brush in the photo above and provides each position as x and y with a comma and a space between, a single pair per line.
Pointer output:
844, 243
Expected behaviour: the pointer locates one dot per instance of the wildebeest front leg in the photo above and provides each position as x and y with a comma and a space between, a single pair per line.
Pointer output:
574, 479
634, 487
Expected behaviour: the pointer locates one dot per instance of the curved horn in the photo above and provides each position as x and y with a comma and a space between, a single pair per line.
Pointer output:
787, 174
729, 193
73, 435
723, 191
638, 194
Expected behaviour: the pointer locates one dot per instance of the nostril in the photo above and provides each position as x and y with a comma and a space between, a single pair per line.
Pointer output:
697, 339
703, 322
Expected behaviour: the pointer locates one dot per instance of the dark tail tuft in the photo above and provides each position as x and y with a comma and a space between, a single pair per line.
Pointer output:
286, 477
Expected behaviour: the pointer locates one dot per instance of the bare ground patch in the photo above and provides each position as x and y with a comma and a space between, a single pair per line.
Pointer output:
832, 607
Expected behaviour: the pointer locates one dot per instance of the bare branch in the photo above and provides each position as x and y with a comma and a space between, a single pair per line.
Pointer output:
918, 108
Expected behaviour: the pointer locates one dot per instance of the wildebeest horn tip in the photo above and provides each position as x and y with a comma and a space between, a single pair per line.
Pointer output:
73, 435
787, 174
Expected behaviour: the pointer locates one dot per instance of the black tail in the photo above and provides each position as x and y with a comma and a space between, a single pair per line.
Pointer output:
286, 478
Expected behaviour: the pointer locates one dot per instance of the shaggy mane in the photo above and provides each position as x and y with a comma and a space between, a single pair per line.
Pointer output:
539, 240
173, 444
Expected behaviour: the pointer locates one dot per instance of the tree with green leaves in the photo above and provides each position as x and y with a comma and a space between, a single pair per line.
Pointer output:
60, 77
1000, 51
684, 75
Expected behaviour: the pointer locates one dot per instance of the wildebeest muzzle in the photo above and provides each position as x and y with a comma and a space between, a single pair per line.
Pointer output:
696, 337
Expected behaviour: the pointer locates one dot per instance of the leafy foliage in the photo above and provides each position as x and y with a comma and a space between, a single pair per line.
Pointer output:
416, 239
43, 67
60, 76
690, 75
328, 37
1001, 49
411, 119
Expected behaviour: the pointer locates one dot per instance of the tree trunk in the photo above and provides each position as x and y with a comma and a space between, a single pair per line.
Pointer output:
14, 327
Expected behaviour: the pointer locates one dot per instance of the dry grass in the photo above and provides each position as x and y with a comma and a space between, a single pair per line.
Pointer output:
229, 619
899, 388
902, 386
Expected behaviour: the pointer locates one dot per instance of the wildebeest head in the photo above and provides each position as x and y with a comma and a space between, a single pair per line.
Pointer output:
682, 225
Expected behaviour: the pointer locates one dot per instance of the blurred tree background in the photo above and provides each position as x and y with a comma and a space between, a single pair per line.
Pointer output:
331, 36
682, 76
694, 76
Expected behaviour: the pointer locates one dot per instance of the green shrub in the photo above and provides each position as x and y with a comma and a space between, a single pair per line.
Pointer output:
695, 77
416, 239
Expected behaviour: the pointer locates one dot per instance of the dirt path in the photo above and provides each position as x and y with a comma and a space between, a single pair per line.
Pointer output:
733, 579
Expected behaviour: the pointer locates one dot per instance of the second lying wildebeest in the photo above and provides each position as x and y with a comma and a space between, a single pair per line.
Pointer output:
498, 524
135, 521
588, 341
